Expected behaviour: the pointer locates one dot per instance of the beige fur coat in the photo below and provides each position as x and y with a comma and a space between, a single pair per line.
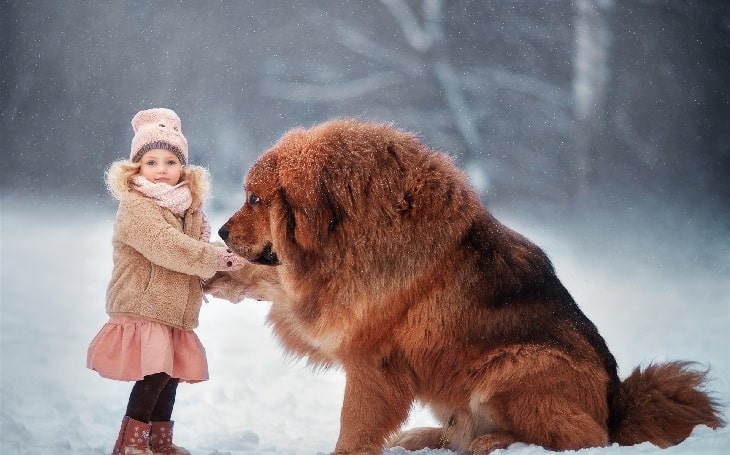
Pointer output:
159, 259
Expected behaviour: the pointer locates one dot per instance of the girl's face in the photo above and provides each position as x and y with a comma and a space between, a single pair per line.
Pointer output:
161, 166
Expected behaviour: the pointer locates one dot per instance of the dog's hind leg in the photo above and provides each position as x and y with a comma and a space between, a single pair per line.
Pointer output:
548, 421
544, 398
550, 418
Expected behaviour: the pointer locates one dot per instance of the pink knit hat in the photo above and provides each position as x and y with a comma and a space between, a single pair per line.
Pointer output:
158, 128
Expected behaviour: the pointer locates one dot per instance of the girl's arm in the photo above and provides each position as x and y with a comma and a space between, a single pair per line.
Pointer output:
141, 224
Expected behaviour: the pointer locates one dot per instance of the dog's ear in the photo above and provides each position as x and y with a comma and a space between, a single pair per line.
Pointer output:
309, 209
310, 216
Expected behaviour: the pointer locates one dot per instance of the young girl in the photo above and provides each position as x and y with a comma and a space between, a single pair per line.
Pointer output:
161, 255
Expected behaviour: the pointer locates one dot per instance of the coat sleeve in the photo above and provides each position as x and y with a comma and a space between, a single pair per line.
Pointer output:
141, 224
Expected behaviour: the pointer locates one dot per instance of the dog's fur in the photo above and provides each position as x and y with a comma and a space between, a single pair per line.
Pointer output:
379, 258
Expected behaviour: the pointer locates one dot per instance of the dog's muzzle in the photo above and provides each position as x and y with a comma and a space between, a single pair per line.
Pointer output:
267, 257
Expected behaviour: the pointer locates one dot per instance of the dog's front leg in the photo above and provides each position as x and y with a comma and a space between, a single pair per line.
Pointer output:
376, 403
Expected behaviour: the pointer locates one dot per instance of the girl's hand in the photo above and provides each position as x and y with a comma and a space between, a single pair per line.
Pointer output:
228, 260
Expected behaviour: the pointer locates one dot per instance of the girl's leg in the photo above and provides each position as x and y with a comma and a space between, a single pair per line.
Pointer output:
162, 411
145, 395
161, 427
134, 435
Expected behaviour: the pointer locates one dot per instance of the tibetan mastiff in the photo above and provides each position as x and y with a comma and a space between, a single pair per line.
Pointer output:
379, 258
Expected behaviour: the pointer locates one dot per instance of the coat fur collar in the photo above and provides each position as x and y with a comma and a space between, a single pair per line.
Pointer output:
120, 174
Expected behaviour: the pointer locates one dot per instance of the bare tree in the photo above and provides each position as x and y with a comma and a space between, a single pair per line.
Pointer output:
591, 74
426, 57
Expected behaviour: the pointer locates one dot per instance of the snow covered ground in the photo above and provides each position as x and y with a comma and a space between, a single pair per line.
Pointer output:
653, 299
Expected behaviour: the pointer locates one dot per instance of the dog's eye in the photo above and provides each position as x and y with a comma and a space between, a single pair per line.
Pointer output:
253, 199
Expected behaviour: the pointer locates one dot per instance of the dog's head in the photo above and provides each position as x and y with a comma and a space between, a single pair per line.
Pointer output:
285, 207
249, 231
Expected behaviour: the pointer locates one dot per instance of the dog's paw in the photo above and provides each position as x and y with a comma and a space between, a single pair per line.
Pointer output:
418, 438
490, 442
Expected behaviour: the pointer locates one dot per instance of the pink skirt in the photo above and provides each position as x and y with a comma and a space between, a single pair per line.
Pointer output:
128, 348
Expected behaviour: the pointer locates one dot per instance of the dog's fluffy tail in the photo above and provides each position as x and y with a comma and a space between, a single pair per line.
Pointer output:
662, 404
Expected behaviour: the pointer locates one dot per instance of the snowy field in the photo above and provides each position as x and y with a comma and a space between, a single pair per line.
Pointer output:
656, 293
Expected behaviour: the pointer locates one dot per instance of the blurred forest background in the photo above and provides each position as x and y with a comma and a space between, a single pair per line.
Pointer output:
552, 106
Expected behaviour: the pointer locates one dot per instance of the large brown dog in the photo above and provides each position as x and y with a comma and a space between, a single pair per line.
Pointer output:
380, 258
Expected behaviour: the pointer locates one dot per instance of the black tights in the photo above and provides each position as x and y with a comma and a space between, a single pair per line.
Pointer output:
153, 398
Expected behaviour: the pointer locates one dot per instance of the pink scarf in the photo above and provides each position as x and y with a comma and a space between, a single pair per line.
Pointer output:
175, 198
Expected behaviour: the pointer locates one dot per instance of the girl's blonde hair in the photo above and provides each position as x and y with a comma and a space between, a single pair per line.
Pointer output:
118, 178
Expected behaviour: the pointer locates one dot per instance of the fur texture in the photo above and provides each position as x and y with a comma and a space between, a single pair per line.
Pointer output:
383, 261
158, 258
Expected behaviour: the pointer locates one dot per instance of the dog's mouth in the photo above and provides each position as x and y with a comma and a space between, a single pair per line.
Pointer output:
267, 256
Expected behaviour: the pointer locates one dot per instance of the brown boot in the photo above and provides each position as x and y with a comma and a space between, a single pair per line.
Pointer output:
161, 440
134, 438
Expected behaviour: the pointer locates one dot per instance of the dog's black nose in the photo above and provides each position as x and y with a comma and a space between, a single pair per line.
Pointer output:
223, 232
